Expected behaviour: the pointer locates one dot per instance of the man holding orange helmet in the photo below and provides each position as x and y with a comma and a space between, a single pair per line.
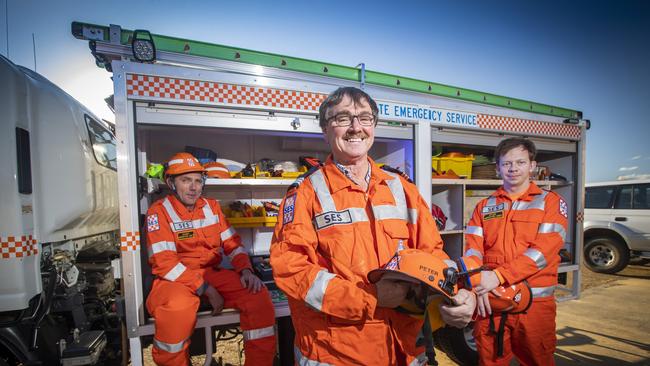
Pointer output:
339, 221
186, 236
517, 233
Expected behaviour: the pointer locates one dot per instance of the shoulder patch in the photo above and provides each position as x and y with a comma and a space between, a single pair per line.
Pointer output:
564, 208
152, 223
302, 177
389, 168
289, 207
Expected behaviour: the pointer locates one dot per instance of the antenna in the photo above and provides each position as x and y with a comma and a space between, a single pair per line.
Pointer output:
34, 50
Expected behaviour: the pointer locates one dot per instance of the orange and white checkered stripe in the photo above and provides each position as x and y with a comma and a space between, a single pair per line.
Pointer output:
177, 89
129, 241
17, 246
208, 91
528, 126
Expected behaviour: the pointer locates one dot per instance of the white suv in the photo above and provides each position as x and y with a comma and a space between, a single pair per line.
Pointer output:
617, 224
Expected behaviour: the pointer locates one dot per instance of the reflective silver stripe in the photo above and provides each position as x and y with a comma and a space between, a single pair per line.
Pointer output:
161, 246
474, 252
174, 162
170, 211
317, 290
358, 214
201, 223
216, 168
546, 228
258, 333
396, 188
537, 257
175, 272
400, 211
542, 291
537, 203
304, 361
385, 212
209, 217
492, 201
179, 225
451, 264
236, 251
413, 215
226, 234
420, 360
474, 230
320, 187
349, 216
169, 347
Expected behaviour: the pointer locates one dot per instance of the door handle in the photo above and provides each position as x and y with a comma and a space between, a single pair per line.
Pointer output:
620, 219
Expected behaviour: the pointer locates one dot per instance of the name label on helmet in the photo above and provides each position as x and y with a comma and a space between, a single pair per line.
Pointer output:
183, 225
333, 218
429, 271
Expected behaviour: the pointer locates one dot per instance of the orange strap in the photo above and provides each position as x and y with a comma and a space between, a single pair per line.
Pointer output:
499, 276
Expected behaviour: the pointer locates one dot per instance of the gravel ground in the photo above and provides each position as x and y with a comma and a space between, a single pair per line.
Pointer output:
228, 351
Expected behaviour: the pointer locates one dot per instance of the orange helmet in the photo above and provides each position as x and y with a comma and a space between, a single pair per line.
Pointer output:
513, 299
182, 163
419, 267
470, 272
216, 170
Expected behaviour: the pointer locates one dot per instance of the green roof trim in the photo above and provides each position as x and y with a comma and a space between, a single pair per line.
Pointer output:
221, 52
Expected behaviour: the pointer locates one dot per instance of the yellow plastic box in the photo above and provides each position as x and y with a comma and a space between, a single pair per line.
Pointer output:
255, 221
462, 166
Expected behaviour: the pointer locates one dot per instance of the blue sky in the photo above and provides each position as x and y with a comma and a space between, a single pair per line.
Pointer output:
593, 56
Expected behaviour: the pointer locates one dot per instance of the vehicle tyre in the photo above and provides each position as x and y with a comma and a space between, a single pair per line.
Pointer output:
458, 344
606, 255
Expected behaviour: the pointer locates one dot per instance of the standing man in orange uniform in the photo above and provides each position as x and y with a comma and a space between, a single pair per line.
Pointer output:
338, 222
186, 236
517, 233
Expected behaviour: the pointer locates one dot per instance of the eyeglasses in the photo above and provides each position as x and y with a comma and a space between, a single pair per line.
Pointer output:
345, 119
509, 164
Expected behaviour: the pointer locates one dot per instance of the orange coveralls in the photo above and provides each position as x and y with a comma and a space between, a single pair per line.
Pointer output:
520, 240
331, 233
185, 249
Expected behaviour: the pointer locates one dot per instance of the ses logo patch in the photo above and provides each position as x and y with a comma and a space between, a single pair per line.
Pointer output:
289, 207
152, 223
564, 208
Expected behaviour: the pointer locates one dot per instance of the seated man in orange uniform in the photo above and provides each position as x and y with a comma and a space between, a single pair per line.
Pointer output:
186, 236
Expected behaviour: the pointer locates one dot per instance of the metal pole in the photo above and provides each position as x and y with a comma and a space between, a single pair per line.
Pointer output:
363, 75
7, 24
34, 50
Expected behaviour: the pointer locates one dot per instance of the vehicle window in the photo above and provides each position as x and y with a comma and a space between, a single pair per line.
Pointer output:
624, 198
599, 197
642, 196
103, 143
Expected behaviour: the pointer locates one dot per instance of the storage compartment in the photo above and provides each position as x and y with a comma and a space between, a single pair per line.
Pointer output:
460, 165
240, 147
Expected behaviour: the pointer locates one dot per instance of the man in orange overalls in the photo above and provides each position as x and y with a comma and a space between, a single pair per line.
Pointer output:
517, 233
338, 222
186, 236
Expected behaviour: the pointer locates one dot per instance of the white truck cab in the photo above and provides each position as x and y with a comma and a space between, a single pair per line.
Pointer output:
58, 224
